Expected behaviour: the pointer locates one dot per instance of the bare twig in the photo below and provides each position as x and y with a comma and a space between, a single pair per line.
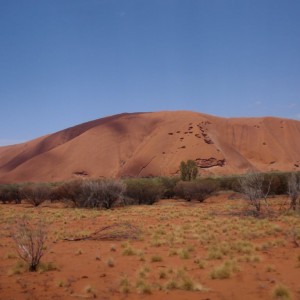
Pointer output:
117, 231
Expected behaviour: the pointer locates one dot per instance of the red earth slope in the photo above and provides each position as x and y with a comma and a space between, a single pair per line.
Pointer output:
154, 144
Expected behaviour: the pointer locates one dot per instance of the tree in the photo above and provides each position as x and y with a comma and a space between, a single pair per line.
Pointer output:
294, 191
188, 170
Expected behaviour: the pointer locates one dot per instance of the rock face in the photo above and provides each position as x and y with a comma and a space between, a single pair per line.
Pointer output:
209, 162
154, 144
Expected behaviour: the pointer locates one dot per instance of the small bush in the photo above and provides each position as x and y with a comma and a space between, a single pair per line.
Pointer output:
110, 262
168, 186
36, 194
125, 285
196, 190
143, 287
281, 292
91, 193
229, 183
10, 193
30, 241
224, 271
156, 258
68, 191
129, 251
143, 190
279, 182
101, 193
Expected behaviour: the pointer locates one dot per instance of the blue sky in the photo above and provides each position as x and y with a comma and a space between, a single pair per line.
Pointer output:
64, 62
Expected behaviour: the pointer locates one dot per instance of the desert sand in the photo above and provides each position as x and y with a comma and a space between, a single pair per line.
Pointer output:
154, 144
180, 253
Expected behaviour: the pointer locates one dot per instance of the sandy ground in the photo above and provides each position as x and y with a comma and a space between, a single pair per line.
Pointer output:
180, 247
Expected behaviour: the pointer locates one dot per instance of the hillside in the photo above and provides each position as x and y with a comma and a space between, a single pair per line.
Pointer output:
152, 144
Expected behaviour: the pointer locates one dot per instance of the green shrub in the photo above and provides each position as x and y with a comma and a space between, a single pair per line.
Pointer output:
10, 193
279, 182
68, 191
100, 193
104, 193
196, 190
36, 193
168, 186
143, 190
229, 183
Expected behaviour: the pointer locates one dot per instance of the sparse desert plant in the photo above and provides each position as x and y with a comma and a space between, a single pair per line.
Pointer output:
90, 290
187, 284
30, 242
200, 263
125, 285
184, 253
270, 268
143, 287
156, 258
129, 251
281, 292
10, 255
36, 194
171, 284
19, 268
60, 283
78, 252
214, 253
45, 267
224, 271
113, 248
162, 275
110, 262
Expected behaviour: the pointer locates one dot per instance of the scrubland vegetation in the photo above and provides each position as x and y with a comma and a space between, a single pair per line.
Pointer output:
256, 188
229, 236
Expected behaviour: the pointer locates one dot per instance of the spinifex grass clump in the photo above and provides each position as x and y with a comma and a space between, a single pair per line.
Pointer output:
30, 241
225, 270
281, 292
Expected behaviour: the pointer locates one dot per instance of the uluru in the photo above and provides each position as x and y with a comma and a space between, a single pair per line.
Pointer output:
154, 144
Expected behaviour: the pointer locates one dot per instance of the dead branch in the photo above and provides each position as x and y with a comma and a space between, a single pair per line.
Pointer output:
117, 231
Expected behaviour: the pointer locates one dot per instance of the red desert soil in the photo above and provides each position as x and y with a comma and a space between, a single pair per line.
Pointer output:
145, 144
180, 246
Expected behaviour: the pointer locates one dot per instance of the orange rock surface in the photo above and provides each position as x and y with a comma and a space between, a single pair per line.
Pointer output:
154, 144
